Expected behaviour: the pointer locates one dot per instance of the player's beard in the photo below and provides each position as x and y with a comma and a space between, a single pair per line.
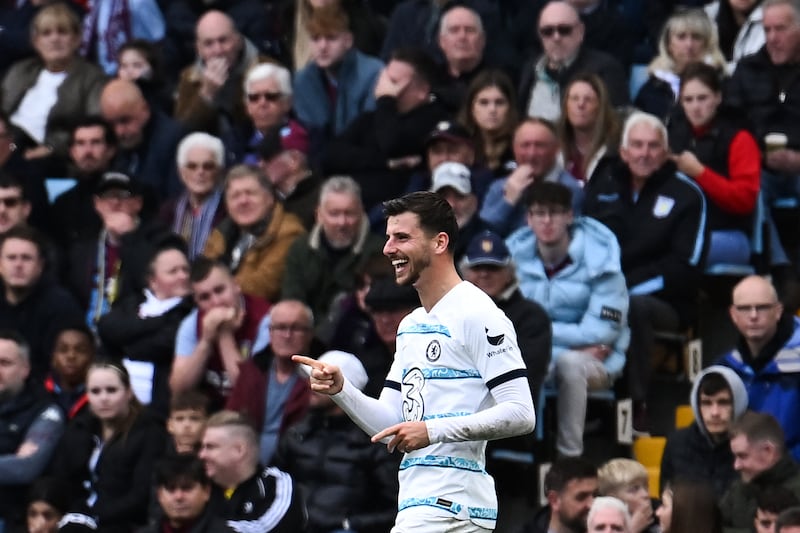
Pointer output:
415, 267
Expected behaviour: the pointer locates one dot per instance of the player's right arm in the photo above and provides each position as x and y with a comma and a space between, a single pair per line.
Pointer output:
370, 414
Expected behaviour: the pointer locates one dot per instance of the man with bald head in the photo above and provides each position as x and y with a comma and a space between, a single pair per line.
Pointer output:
148, 139
767, 354
210, 90
270, 390
564, 55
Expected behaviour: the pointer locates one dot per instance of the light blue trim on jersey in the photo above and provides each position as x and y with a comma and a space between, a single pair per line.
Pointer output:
455, 508
445, 415
425, 329
445, 373
442, 461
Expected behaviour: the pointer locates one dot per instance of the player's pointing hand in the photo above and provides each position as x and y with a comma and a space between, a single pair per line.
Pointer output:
324, 378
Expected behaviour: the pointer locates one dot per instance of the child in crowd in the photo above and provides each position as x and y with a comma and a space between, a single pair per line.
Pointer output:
73, 353
47, 503
187, 421
771, 502
627, 480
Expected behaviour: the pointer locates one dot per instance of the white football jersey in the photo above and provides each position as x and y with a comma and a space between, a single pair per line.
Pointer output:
446, 363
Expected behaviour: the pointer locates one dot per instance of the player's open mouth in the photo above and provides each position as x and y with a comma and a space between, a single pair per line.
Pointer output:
398, 264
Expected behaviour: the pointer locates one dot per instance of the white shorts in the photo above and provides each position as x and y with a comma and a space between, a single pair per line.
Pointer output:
409, 522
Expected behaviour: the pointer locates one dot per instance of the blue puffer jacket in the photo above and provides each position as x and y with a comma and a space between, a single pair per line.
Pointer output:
587, 300
775, 389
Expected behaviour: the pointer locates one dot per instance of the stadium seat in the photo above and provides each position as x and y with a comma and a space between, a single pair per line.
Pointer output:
648, 451
684, 416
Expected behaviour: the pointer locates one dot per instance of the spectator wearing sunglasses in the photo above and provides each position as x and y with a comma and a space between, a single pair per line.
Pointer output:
545, 76
268, 99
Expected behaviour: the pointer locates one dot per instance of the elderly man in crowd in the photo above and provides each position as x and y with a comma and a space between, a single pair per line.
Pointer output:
271, 390
322, 266
544, 78
536, 152
659, 218
209, 94
255, 238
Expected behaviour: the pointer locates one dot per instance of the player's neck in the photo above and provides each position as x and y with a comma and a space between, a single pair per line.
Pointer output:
434, 283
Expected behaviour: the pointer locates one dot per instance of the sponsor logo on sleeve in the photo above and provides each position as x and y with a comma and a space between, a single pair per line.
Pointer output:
495, 340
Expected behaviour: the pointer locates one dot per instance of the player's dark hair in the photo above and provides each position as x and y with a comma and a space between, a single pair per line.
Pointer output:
435, 214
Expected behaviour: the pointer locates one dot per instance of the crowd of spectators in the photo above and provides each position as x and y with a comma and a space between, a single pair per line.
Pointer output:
191, 192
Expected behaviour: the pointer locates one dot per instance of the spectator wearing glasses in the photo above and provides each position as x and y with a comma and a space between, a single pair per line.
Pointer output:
268, 104
545, 77
199, 208
571, 267
271, 390
766, 354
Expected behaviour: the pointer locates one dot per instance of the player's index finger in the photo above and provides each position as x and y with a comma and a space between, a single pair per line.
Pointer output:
384, 433
303, 360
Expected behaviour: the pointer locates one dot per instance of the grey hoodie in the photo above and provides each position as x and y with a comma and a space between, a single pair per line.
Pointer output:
738, 392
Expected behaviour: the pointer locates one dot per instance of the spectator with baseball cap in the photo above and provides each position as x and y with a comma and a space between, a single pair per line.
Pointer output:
487, 264
387, 304
449, 141
283, 157
111, 264
453, 182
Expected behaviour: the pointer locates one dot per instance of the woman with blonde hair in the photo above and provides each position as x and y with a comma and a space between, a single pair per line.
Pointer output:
588, 129
688, 36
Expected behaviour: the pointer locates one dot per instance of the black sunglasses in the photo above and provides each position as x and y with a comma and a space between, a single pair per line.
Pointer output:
269, 97
564, 30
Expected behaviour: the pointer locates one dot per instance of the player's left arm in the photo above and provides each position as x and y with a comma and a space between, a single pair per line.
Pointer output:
492, 344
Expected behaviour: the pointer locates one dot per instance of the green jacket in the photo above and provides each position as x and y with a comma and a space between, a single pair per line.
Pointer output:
311, 277
738, 505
